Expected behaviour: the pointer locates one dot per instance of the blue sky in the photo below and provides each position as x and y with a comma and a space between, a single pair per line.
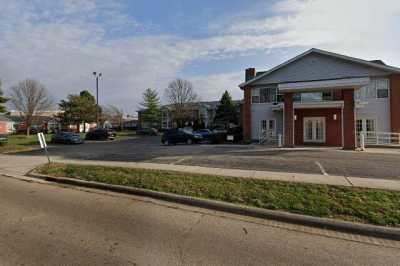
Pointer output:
139, 44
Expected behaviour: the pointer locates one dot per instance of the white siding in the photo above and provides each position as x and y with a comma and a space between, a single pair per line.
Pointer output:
319, 67
377, 109
263, 111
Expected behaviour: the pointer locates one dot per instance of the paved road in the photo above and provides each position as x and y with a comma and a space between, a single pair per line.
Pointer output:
43, 224
149, 149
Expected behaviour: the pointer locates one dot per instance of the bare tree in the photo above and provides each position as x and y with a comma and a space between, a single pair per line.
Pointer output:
181, 96
115, 115
30, 97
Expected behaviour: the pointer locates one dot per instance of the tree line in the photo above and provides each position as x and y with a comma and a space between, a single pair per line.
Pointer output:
181, 97
30, 97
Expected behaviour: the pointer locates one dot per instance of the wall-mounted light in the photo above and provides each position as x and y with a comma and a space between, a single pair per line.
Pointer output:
295, 117
335, 117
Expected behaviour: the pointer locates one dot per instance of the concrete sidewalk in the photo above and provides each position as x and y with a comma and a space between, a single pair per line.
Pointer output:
265, 175
20, 165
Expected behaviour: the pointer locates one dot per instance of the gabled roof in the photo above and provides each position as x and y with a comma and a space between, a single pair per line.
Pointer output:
373, 64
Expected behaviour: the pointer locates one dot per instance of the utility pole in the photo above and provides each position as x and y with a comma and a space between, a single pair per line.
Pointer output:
97, 75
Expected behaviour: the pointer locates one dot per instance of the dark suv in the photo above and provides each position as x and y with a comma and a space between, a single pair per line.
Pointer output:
180, 135
100, 134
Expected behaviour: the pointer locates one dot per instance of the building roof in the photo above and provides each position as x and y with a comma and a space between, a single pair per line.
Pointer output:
4, 118
377, 64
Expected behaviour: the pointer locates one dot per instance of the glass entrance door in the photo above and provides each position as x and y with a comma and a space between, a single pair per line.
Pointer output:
314, 129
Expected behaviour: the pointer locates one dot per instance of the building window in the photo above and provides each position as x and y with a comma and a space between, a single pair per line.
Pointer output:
268, 95
376, 89
359, 126
313, 96
370, 125
264, 125
382, 88
268, 126
255, 96
264, 95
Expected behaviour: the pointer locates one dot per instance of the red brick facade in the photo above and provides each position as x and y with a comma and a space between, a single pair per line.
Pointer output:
333, 128
395, 103
349, 131
288, 125
247, 114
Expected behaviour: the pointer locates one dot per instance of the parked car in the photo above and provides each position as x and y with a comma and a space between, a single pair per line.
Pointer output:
3, 138
147, 131
207, 135
66, 138
100, 134
179, 135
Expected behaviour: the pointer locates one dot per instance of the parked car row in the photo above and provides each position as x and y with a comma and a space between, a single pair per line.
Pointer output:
180, 135
183, 135
75, 138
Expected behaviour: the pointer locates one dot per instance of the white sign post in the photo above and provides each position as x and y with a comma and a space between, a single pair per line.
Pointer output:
43, 144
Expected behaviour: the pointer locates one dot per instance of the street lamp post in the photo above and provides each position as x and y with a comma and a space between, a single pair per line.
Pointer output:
97, 75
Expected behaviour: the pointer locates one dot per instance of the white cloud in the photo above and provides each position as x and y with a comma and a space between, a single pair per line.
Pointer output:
355, 27
212, 86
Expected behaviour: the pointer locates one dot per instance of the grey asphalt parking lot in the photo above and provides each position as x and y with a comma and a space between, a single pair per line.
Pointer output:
251, 157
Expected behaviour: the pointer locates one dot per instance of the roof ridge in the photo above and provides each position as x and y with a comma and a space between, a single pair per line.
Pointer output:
323, 52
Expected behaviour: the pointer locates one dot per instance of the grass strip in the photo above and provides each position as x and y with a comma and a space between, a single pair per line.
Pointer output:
373, 206
17, 143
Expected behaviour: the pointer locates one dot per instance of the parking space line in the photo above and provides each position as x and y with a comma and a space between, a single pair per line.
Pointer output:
321, 168
179, 161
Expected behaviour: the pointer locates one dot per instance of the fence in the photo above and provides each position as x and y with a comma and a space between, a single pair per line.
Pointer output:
373, 138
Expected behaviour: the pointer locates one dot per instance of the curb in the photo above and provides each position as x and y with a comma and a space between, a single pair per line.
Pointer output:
322, 223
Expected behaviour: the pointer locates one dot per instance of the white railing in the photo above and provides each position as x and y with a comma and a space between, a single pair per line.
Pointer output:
379, 138
270, 137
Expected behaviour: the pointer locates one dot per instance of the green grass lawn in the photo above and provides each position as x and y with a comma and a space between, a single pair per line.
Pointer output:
125, 134
372, 206
17, 143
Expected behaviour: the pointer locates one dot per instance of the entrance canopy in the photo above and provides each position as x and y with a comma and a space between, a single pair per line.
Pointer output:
323, 85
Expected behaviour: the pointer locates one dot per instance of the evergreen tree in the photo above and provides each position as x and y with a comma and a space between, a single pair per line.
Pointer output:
226, 111
151, 106
3, 100
78, 109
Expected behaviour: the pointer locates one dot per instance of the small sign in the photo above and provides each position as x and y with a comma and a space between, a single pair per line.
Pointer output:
43, 144
42, 140
229, 137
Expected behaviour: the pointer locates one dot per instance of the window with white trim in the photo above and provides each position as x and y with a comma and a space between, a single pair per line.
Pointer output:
264, 95
255, 96
264, 125
269, 126
382, 88
376, 89
366, 125
313, 96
